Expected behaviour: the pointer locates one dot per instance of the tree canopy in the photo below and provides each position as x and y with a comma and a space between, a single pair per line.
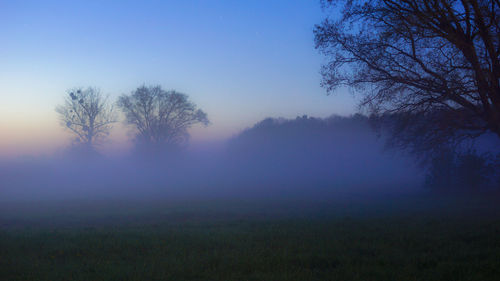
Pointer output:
438, 60
160, 118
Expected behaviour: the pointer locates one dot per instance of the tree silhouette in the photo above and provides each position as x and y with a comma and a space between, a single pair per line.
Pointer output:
465, 170
440, 59
161, 118
87, 114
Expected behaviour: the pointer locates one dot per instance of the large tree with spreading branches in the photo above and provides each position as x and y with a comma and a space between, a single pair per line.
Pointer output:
433, 63
160, 118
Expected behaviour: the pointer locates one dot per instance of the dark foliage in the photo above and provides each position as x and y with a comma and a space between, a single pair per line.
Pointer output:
421, 134
468, 171
441, 174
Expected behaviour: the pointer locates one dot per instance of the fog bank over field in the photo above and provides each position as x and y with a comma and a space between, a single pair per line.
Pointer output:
277, 158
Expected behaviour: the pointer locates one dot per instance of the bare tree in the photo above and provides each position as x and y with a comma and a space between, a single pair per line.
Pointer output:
87, 114
161, 118
437, 60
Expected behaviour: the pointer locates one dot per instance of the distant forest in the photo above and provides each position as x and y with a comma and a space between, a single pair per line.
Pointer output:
355, 143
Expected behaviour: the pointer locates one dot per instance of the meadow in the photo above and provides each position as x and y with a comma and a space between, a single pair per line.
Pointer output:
394, 239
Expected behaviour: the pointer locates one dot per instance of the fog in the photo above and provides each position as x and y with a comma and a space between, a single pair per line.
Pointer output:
275, 159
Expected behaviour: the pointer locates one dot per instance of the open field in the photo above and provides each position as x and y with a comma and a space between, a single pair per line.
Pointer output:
242, 240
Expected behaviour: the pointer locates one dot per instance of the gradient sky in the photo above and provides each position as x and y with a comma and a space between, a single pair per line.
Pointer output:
240, 61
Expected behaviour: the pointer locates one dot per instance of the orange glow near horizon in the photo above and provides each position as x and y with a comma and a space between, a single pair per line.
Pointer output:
37, 133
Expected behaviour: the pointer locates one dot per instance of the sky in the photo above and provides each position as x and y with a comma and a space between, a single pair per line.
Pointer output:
239, 61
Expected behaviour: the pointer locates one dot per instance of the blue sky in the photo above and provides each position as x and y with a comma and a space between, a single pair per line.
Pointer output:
240, 61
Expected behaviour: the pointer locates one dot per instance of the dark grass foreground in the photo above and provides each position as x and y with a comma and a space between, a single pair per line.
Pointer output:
202, 244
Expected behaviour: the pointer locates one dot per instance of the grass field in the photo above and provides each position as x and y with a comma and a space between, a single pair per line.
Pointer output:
245, 241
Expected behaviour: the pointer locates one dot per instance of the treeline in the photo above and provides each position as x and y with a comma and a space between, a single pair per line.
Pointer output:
334, 152
297, 158
337, 145
316, 149
304, 157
